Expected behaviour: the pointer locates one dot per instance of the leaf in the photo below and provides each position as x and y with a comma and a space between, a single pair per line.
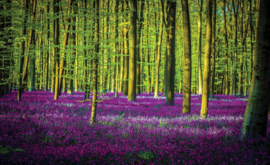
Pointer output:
4, 150
120, 117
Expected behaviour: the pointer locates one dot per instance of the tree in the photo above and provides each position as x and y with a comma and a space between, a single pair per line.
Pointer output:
47, 52
199, 67
169, 21
206, 74
73, 53
159, 52
56, 44
116, 70
132, 51
95, 63
213, 50
22, 53
226, 49
126, 58
255, 118
187, 57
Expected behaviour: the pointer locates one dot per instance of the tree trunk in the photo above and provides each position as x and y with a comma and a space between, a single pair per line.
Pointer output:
158, 52
116, 44
199, 67
73, 52
170, 47
187, 51
226, 49
255, 118
213, 51
56, 49
22, 54
95, 62
33, 41
132, 51
206, 74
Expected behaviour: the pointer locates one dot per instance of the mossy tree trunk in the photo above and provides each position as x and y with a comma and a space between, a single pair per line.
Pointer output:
206, 74
187, 57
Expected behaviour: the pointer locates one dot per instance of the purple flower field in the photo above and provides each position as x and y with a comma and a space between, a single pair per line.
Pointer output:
45, 131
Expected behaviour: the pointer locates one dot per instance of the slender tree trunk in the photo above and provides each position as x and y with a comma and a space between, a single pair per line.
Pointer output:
159, 53
95, 62
73, 52
255, 118
200, 84
138, 69
33, 42
226, 48
213, 50
132, 52
86, 72
56, 48
206, 74
47, 52
116, 44
22, 54
187, 65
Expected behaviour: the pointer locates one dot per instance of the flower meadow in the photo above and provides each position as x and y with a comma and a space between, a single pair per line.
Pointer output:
41, 130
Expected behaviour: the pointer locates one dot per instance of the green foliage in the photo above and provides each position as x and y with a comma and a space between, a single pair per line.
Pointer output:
146, 155
7, 149
120, 117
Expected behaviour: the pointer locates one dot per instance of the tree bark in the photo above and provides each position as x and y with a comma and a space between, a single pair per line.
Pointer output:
22, 53
95, 62
226, 49
255, 118
158, 52
199, 67
206, 74
56, 49
132, 51
187, 63
212, 95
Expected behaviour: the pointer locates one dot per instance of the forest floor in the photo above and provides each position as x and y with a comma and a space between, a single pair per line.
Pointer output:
41, 130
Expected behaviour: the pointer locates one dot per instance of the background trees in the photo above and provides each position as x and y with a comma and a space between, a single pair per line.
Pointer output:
172, 49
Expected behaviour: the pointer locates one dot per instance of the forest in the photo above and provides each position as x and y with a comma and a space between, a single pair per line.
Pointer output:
134, 81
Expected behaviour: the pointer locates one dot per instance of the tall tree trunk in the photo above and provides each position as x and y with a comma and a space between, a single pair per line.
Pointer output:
22, 53
138, 69
86, 72
95, 62
132, 51
226, 49
73, 52
33, 42
199, 67
170, 45
56, 48
47, 51
158, 52
206, 74
187, 65
147, 49
116, 44
63, 61
235, 14
255, 118
126, 58
213, 50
